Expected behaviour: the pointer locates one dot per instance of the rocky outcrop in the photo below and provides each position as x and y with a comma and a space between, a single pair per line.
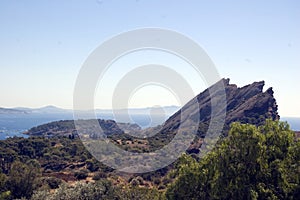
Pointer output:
248, 104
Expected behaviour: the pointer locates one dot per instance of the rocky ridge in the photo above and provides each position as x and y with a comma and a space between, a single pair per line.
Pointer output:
248, 104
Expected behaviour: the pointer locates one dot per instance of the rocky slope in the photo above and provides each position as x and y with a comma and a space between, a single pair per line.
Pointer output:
248, 104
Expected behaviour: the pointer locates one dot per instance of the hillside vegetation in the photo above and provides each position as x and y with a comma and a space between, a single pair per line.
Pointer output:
255, 156
251, 163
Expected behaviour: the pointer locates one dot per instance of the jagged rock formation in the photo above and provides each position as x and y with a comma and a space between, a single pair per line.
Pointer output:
248, 104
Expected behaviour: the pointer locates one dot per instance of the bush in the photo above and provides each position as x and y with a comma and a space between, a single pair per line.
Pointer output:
53, 182
3, 179
81, 174
156, 181
99, 175
137, 193
23, 179
161, 187
92, 165
80, 191
137, 181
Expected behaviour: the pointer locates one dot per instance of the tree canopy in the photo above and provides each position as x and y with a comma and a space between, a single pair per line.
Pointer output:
251, 163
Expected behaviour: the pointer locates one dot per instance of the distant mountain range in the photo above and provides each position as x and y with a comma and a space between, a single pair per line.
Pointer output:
168, 110
23, 110
46, 109
12, 111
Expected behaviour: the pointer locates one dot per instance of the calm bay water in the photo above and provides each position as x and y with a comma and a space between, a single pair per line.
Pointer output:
14, 125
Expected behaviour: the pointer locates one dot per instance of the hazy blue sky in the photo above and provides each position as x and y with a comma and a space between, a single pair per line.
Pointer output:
44, 43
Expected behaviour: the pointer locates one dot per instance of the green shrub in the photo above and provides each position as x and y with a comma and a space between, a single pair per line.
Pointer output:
53, 182
137, 181
81, 174
80, 191
23, 178
99, 175
137, 193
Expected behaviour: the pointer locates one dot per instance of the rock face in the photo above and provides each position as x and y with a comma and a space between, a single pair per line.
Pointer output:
248, 104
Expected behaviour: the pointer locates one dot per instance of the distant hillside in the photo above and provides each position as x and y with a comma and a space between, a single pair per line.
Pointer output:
67, 128
11, 111
168, 110
44, 110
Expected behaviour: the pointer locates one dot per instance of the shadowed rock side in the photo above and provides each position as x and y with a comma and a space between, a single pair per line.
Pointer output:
248, 104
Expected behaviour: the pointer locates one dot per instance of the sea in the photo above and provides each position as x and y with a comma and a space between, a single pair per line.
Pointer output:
294, 122
16, 124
